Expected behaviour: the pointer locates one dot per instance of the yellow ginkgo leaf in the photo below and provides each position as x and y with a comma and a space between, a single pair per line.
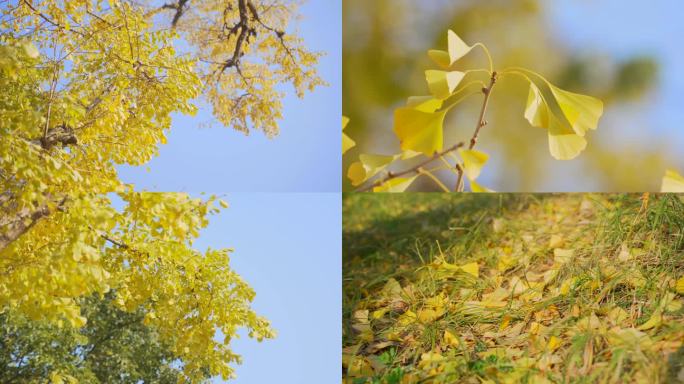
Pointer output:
419, 131
679, 286
554, 343
473, 161
562, 256
457, 48
367, 167
565, 124
655, 320
450, 339
347, 142
471, 269
443, 83
440, 57
424, 103
582, 112
672, 182
478, 188
398, 184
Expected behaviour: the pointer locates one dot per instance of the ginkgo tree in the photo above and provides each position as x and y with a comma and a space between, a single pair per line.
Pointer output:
567, 118
89, 85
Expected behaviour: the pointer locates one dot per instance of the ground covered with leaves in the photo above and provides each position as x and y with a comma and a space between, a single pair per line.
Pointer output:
495, 288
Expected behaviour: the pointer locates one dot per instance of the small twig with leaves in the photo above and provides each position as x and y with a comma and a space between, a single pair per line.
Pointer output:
418, 169
419, 125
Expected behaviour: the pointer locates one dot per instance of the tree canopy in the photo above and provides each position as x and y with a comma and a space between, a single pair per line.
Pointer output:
89, 85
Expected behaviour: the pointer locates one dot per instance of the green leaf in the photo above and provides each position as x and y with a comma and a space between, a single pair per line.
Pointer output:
419, 131
457, 48
399, 184
347, 142
672, 182
367, 167
440, 57
443, 83
565, 115
473, 161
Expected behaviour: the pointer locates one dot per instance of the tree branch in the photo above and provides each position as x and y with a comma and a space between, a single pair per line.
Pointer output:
481, 122
415, 169
22, 222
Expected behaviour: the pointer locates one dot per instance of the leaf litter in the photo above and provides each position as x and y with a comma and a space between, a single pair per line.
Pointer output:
541, 289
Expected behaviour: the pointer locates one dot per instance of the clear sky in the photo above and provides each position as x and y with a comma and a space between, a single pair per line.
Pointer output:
305, 157
288, 247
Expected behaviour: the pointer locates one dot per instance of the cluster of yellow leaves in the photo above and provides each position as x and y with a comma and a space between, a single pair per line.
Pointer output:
419, 125
541, 301
88, 85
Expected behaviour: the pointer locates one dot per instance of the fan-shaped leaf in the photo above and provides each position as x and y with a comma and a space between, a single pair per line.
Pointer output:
419, 131
443, 83
457, 48
367, 167
399, 184
544, 111
424, 103
473, 161
440, 57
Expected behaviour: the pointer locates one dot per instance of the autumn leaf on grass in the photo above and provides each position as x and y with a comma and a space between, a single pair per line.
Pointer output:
679, 286
433, 308
654, 321
441, 265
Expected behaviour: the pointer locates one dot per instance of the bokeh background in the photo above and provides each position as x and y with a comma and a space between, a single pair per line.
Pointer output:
626, 53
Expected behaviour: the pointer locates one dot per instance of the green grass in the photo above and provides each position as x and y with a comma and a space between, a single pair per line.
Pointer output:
561, 320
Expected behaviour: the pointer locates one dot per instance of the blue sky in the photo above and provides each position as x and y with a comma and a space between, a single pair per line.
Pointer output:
305, 157
288, 247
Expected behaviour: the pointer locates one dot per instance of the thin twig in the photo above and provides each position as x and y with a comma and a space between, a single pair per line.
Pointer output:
414, 169
481, 122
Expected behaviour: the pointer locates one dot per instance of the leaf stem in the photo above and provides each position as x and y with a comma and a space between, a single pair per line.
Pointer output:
434, 178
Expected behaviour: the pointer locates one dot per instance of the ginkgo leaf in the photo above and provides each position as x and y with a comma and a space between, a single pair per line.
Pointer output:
583, 112
564, 142
679, 286
457, 48
424, 103
471, 268
655, 320
443, 83
367, 167
347, 142
399, 184
31, 50
419, 131
473, 161
672, 182
440, 57
478, 188
450, 339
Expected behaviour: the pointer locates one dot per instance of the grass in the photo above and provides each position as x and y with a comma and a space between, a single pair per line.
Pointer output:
503, 288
